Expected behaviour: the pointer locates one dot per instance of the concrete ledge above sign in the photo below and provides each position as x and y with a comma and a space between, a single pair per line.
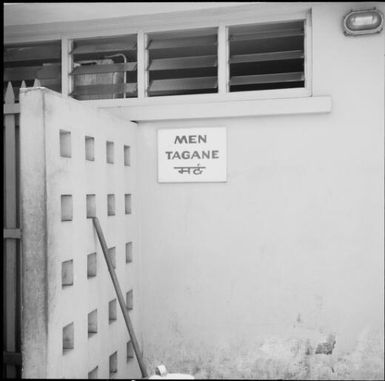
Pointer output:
186, 107
187, 155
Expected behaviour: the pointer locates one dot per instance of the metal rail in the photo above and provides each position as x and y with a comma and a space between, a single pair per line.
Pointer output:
120, 297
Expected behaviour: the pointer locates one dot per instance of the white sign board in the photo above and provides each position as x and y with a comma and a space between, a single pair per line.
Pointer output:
192, 155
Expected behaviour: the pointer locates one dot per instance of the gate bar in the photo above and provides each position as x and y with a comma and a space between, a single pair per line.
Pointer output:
120, 297
12, 358
12, 233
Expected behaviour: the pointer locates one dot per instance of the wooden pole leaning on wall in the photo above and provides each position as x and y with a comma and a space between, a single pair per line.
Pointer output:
120, 297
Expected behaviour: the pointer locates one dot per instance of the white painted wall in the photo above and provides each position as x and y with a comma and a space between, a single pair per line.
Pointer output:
40, 13
291, 246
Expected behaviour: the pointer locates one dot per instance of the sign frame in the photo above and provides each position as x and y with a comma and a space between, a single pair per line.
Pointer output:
192, 155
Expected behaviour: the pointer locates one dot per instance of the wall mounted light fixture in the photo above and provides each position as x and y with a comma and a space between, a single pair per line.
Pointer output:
363, 22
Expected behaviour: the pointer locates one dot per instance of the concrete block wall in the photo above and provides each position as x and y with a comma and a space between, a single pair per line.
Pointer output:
77, 162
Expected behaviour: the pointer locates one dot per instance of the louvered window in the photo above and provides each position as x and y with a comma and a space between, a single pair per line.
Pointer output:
267, 56
27, 62
104, 68
182, 62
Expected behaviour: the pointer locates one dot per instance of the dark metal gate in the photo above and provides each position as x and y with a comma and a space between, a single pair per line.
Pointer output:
11, 239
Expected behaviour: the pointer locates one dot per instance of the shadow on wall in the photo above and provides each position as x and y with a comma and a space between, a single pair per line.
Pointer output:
276, 357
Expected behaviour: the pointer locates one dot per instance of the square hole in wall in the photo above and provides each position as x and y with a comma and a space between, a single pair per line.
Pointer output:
130, 351
111, 204
112, 311
110, 152
112, 254
67, 273
92, 323
128, 252
65, 143
91, 265
93, 373
66, 207
90, 148
68, 337
127, 158
113, 363
91, 205
127, 203
130, 300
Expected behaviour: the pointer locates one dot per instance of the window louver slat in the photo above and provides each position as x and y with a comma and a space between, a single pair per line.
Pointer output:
97, 69
53, 84
267, 27
265, 35
272, 56
266, 56
266, 78
182, 84
182, 42
102, 48
32, 53
118, 88
32, 61
48, 82
32, 72
182, 62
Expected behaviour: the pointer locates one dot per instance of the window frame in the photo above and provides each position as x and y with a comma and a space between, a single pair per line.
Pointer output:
222, 24
306, 88
71, 78
31, 63
147, 60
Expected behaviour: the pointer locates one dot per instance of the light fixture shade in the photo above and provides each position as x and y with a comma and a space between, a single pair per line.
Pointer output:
363, 22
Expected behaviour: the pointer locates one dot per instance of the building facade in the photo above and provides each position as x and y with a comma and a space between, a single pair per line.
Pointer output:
276, 270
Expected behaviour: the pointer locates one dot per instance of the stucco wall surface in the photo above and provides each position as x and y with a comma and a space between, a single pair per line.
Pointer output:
60, 290
277, 273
